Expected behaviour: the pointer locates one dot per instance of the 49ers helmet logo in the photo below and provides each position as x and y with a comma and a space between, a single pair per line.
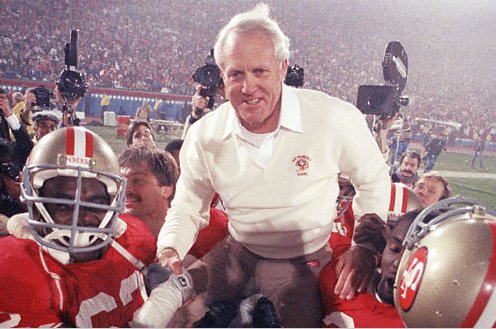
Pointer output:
412, 277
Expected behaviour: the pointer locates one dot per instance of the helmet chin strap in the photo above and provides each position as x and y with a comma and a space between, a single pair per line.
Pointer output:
79, 239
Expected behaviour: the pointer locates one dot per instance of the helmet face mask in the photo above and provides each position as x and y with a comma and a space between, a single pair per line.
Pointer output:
447, 275
61, 176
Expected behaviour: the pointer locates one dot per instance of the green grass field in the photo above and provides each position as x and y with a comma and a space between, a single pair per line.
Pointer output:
472, 184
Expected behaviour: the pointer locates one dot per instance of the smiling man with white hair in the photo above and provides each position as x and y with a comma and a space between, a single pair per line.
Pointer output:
273, 154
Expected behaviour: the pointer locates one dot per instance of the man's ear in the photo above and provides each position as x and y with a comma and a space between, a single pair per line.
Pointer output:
284, 69
167, 191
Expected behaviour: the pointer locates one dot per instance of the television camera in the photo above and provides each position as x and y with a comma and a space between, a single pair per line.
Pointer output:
71, 82
295, 76
385, 100
209, 77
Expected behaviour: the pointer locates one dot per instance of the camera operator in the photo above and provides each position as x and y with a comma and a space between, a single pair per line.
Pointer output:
199, 105
381, 130
25, 111
68, 109
9, 123
9, 184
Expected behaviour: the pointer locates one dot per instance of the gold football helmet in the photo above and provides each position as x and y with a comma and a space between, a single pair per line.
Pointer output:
447, 275
80, 153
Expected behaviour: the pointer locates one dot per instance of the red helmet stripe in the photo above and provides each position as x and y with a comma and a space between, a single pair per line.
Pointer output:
393, 197
398, 202
483, 306
405, 200
70, 141
89, 144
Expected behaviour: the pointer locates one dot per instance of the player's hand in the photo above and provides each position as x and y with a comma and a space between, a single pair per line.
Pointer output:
354, 270
169, 258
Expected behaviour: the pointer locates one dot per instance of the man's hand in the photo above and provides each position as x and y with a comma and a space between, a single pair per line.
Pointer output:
198, 103
169, 258
5, 105
29, 100
354, 270
59, 99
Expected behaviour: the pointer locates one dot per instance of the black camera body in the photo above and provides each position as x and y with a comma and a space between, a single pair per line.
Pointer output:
295, 76
385, 100
10, 170
43, 98
208, 76
71, 82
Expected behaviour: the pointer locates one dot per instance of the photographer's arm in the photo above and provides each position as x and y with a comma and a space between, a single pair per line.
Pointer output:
67, 109
381, 130
25, 114
198, 105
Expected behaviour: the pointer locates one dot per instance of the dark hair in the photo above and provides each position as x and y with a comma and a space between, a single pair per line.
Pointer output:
161, 164
133, 127
411, 154
174, 145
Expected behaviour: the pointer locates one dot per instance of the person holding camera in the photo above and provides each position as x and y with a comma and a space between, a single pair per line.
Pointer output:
199, 105
273, 154
10, 203
10, 124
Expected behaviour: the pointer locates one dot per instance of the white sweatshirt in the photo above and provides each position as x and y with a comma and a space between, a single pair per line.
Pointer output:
283, 209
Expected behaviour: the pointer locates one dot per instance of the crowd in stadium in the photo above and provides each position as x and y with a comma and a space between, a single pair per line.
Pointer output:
279, 208
156, 45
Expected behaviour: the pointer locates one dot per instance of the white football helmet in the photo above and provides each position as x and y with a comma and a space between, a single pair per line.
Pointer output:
74, 152
402, 200
447, 275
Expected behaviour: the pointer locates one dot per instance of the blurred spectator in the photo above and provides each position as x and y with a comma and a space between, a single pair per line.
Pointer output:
479, 147
148, 46
433, 148
9, 183
45, 122
104, 103
174, 147
143, 112
140, 132
10, 124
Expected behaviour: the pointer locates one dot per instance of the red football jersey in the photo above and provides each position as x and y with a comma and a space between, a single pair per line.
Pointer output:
38, 290
363, 311
210, 235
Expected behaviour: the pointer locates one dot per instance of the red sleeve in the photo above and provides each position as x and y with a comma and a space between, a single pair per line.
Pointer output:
138, 239
210, 235
29, 297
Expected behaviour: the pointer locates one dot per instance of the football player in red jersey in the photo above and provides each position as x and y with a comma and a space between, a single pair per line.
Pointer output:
446, 277
151, 176
402, 199
375, 307
72, 260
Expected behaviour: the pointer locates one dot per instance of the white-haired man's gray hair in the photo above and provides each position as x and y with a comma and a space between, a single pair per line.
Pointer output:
255, 21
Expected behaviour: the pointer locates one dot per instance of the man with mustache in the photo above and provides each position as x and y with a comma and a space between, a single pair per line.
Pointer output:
151, 176
407, 172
